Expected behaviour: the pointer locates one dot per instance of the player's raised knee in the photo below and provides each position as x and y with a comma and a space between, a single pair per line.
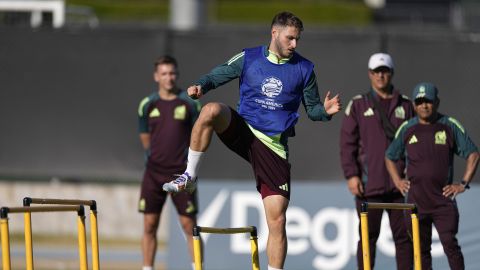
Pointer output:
211, 110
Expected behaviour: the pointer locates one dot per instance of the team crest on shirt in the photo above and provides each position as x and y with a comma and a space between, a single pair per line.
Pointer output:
180, 112
400, 112
441, 137
272, 87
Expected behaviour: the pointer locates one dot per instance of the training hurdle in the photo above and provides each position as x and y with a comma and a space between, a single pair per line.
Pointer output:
27, 201
197, 245
5, 238
393, 206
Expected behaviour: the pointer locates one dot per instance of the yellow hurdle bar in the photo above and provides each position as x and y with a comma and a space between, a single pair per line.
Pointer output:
94, 238
197, 246
254, 249
28, 240
365, 241
93, 221
417, 259
395, 206
32, 209
82, 242
4, 211
59, 201
197, 252
249, 229
4, 234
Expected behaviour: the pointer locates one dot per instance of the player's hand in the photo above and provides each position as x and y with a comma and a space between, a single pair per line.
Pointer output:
195, 91
403, 185
355, 186
332, 105
451, 191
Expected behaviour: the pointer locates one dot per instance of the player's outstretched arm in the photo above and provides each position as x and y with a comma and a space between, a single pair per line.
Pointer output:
332, 105
195, 91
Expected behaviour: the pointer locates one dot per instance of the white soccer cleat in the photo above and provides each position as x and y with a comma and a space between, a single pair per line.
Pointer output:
184, 182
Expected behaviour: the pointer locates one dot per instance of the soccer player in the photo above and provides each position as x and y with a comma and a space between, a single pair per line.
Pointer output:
368, 128
429, 142
274, 80
165, 119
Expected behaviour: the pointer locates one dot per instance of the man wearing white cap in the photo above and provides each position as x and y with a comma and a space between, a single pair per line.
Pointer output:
368, 127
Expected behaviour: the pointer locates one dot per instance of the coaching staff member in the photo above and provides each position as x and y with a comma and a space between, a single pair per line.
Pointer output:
368, 127
429, 142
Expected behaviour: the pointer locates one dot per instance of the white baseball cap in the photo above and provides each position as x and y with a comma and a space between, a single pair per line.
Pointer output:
380, 60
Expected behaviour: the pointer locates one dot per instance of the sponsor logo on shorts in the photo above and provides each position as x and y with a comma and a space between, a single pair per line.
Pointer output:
190, 207
284, 187
142, 204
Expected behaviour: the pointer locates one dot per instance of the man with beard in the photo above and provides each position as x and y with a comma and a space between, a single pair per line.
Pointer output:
274, 80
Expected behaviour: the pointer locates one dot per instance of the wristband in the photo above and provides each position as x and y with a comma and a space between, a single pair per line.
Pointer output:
465, 184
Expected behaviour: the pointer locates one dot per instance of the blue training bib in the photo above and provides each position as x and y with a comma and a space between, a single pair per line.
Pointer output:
270, 94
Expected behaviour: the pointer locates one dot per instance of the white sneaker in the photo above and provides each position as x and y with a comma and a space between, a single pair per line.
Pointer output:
183, 182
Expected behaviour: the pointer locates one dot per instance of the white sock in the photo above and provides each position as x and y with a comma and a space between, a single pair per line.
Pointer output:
147, 268
194, 160
273, 268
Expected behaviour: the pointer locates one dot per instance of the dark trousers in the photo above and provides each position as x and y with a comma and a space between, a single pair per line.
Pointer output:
445, 220
398, 224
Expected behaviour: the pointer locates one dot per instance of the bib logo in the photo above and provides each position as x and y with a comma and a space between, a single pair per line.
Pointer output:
272, 87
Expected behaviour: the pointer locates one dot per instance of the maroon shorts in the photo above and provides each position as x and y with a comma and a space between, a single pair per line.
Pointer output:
153, 197
272, 172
